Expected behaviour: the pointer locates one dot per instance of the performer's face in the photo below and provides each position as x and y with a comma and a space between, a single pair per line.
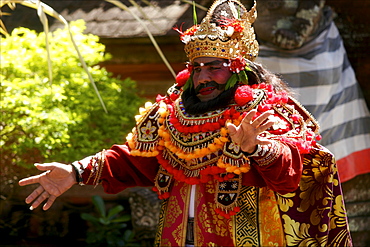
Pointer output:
210, 77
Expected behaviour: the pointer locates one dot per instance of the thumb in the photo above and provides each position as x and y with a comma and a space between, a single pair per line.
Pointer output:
232, 129
36, 178
45, 166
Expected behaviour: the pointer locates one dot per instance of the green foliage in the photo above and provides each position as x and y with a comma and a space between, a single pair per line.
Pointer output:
63, 121
108, 228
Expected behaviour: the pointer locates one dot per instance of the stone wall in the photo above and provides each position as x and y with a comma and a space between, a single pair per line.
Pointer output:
357, 200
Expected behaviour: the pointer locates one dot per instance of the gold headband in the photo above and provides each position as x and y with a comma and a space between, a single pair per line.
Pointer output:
225, 32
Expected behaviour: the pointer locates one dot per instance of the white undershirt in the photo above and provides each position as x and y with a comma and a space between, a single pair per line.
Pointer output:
192, 201
191, 206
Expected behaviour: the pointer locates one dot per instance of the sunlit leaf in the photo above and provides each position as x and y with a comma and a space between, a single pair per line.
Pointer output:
50, 11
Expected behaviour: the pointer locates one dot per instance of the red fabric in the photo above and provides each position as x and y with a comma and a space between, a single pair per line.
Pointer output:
282, 175
124, 171
354, 164
121, 171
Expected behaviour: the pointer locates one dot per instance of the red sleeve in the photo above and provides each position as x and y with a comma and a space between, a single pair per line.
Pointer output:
280, 168
122, 170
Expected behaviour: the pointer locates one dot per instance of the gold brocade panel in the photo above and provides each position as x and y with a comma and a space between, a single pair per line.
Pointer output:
245, 222
258, 222
314, 214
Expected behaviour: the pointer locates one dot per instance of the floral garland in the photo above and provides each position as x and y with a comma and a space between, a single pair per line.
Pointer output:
234, 169
243, 94
217, 144
228, 114
222, 170
205, 175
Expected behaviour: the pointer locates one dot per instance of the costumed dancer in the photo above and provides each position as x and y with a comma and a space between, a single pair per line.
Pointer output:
232, 154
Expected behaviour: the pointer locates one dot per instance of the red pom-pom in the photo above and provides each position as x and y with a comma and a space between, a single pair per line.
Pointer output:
263, 108
284, 97
174, 96
262, 85
243, 95
192, 181
296, 117
182, 77
270, 88
204, 179
237, 209
160, 98
166, 195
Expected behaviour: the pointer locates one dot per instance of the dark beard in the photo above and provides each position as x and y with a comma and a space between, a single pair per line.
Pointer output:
194, 106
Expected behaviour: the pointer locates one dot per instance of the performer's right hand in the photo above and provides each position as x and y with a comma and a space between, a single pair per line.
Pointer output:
56, 180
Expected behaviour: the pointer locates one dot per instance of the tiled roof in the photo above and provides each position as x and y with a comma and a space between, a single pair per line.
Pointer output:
108, 21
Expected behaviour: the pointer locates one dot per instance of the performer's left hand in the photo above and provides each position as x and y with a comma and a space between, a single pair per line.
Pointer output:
246, 134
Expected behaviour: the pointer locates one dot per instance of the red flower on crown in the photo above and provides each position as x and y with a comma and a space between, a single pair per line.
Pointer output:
237, 64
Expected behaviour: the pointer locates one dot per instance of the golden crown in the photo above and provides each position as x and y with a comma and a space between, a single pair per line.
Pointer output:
225, 32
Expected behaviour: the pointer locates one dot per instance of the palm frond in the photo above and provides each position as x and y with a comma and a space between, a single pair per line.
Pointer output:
143, 13
3, 29
147, 2
45, 24
10, 4
2, 26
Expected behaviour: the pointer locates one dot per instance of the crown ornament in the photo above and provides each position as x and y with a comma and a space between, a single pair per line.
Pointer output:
225, 32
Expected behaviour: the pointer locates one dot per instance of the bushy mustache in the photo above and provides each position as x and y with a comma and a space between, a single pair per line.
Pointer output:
209, 84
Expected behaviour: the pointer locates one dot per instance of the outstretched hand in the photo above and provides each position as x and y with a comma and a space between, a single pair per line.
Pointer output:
56, 180
246, 134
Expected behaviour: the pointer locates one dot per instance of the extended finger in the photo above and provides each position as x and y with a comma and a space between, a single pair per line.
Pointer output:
49, 202
265, 126
34, 194
45, 195
248, 118
261, 118
30, 180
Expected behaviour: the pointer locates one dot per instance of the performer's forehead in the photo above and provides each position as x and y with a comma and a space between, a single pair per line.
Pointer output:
216, 61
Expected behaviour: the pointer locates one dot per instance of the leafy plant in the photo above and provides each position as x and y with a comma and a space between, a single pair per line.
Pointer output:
108, 228
63, 121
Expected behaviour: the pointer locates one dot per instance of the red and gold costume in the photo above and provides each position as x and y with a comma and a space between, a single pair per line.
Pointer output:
284, 194
287, 193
